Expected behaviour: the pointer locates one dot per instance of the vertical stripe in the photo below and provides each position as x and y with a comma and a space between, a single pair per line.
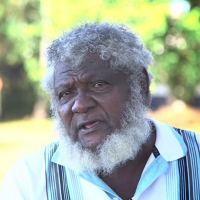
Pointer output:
56, 179
188, 164
172, 183
57, 182
74, 185
183, 174
189, 168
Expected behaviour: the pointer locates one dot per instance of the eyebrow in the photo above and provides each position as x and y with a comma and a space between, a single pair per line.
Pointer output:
63, 83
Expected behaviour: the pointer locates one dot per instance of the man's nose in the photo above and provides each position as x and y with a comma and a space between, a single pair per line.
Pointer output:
83, 103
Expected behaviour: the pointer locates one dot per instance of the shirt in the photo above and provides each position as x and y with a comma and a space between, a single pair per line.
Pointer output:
172, 172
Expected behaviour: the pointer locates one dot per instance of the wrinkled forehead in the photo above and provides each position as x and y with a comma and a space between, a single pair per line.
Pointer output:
92, 66
89, 62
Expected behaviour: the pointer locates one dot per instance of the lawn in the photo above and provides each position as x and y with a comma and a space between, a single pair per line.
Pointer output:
20, 138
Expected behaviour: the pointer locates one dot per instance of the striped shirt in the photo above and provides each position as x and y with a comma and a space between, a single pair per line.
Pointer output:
172, 172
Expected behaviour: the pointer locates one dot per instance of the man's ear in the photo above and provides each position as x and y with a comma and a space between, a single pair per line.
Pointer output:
144, 84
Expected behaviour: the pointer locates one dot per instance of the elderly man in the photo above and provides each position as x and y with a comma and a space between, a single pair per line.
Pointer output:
98, 82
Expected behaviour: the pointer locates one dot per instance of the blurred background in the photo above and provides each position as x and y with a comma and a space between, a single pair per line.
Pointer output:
170, 29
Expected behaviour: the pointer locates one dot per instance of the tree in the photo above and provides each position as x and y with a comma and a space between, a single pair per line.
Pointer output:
19, 41
177, 54
28, 26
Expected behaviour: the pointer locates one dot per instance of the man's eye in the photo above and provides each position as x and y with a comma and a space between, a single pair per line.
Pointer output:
99, 84
64, 94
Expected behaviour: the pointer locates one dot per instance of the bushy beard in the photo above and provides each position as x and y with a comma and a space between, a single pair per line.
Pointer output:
120, 146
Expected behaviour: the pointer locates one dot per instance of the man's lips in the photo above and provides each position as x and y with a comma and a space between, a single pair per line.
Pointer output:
88, 124
91, 132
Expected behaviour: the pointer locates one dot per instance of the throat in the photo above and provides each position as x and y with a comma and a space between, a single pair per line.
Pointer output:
125, 180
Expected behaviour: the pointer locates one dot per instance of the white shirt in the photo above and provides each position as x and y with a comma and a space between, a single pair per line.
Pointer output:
26, 179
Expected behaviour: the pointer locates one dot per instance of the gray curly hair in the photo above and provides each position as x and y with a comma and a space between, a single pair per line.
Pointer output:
115, 43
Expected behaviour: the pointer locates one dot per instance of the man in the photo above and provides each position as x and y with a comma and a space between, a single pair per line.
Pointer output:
98, 82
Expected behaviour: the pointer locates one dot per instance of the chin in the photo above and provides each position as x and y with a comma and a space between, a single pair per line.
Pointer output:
92, 141
91, 146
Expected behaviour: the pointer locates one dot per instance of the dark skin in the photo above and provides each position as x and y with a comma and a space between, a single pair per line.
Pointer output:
90, 104
90, 100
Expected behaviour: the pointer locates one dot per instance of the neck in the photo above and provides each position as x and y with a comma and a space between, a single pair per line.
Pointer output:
125, 180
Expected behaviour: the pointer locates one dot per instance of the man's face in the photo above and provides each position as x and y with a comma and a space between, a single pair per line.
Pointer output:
91, 99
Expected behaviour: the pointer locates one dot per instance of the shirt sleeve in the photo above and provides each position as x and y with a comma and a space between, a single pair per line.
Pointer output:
15, 184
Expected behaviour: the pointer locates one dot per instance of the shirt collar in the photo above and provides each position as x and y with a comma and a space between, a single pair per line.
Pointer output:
169, 142
56, 157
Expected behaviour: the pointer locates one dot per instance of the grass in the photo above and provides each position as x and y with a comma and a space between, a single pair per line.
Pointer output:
20, 138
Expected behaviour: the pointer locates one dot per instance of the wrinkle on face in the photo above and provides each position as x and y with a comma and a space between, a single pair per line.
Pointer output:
105, 104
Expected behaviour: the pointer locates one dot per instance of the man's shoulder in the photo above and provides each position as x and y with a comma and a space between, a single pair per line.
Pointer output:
189, 135
175, 142
188, 132
33, 161
180, 131
26, 177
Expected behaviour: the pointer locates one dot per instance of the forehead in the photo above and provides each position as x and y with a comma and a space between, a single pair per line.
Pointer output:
92, 65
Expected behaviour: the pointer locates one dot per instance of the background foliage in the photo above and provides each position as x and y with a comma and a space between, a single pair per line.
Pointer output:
20, 34
28, 26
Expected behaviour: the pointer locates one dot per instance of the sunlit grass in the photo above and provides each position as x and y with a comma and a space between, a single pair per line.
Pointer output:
20, 138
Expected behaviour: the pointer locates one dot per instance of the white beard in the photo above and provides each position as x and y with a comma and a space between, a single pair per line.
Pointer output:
119, 147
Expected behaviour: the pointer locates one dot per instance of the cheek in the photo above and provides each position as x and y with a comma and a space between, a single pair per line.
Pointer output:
65, 115
119, 98
114, 108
